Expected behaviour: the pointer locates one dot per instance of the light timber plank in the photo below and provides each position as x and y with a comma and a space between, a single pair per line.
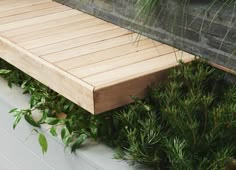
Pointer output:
28, 9
90, 48
138, 69
65, 19
58, 80
57, 30
4, 2
11, 5
223, 68
76, 42
121, 61
37, 20
33, 14
13, 2
120, 94
106, 54
67, 36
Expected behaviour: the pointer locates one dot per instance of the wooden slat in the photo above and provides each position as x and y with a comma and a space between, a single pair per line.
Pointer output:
117, 95
63, 20
121, 61
33, 14
14, 2
118, 92
58, 80
28, 9
11, 5
106, 54
223, 68
4, 2
88, 49
138, 69
57, 30
76, 42
67, 36
37, 20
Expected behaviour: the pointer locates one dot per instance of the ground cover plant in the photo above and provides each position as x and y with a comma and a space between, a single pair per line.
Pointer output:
187, 122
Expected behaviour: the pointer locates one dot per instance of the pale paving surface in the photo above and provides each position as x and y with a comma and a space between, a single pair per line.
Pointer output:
19, 153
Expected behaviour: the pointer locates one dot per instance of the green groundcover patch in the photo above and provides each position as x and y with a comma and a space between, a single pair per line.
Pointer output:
185, 123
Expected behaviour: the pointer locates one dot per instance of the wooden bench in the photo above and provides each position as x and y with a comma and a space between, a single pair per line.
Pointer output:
95, 64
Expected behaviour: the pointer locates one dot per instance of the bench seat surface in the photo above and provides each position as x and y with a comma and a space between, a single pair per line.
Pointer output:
95, 64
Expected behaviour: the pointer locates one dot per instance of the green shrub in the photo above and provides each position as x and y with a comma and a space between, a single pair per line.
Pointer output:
188, 122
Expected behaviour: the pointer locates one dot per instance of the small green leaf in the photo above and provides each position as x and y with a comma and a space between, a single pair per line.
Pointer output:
67, 140
65, 136
17, 120
13, 110
52, 121
147, 107
43, 143
66, 107
53, 131
43, 118
31, 121
4, 71
63, 133
77, 143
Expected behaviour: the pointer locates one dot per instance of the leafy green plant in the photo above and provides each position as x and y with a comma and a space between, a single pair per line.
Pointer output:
198, 108
187, 122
